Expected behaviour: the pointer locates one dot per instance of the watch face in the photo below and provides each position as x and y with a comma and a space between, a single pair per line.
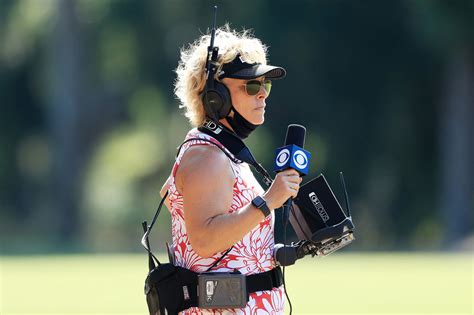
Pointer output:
258, 201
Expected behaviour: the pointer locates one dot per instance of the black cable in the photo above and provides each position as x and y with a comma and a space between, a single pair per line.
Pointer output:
285, 223
147, 229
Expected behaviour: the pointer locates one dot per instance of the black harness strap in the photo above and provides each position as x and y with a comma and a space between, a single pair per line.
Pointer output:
265, 280
236, 146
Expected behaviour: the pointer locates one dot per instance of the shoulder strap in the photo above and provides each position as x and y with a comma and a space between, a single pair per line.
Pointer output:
235, 145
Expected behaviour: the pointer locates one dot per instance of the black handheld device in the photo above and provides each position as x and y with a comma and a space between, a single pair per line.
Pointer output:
319, 218
319, 221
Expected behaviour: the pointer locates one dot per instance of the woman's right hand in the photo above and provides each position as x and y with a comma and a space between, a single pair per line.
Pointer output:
286, 185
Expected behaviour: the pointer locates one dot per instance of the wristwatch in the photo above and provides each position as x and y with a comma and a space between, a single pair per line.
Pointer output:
260, 203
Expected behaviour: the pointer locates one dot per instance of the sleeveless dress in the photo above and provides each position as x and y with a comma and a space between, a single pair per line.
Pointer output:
252, 254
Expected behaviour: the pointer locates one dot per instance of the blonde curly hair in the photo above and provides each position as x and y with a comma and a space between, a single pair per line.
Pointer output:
191, 76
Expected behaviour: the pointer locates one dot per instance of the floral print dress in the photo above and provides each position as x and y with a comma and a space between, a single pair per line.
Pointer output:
252, 254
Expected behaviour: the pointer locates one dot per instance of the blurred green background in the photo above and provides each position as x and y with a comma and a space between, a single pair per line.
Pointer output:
89, 125
369, 283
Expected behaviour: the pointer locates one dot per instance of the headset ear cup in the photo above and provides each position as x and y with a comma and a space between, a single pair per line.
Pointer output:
224, 93
212, 102
217, 101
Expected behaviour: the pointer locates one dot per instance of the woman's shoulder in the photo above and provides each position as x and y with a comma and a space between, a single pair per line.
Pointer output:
194, 136
203, 156
198, 141
205, 166
206, 157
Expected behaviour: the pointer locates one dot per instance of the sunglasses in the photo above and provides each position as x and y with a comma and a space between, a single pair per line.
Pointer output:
252, 87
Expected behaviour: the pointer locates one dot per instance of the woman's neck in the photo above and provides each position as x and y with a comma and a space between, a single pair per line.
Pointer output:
224, 122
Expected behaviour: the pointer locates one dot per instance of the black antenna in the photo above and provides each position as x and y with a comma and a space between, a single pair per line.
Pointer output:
212, 51
346, 196
213, 32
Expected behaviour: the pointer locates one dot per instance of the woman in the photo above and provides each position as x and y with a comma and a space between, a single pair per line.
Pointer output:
215, 203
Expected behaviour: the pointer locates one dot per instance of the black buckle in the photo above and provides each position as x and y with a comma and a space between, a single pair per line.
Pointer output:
277, 277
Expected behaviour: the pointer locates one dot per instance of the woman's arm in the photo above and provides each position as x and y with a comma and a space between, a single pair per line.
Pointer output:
205, 179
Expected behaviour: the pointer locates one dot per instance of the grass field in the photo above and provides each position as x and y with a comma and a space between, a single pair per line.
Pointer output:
339, 284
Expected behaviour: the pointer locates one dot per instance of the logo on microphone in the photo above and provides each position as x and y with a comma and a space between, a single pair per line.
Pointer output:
292, 156
282, 157
300, 159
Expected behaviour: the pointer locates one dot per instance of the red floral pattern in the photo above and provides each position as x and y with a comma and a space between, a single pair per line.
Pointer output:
252, 254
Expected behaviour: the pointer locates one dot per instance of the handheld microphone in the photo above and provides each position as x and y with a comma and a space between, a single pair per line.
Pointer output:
292, 155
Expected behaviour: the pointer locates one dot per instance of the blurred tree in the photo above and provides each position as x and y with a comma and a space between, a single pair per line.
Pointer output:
68, 119
447, 29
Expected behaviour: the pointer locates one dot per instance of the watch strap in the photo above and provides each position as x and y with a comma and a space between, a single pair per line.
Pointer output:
261, 204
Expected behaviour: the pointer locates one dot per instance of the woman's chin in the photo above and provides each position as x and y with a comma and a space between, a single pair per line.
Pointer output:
259, 121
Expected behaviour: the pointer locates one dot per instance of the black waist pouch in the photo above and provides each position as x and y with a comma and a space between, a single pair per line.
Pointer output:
170, 289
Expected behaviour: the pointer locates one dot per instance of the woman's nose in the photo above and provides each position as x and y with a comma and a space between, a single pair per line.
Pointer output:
262, 94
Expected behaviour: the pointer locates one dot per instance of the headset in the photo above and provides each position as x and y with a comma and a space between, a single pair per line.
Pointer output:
216, 96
